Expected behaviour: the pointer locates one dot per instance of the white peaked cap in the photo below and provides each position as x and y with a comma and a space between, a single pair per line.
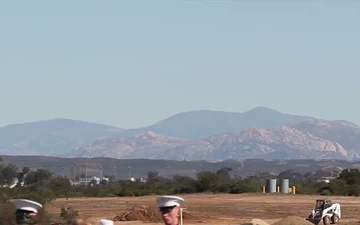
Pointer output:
169, 200
25, 204
106, 222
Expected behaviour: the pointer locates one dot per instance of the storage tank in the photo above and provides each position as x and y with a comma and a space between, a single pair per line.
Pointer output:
284, 186
271, 185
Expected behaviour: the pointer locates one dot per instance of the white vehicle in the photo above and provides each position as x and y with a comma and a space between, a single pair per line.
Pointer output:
325, 211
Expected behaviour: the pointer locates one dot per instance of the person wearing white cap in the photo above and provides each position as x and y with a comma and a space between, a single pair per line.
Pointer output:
26, 211
170, 208
106, 222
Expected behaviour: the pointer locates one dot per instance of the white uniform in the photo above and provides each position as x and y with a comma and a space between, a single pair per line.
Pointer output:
106, 222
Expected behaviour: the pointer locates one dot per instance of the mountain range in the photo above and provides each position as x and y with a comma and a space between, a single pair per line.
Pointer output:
196, 135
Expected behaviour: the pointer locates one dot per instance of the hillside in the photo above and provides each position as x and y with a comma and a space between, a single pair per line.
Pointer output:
278, 143
54, 137
343, 132
204, 123
148, 145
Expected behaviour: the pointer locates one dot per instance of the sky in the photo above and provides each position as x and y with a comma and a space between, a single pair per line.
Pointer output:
133, 63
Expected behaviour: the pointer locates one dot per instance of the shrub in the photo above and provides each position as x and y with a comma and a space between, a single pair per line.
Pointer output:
7, 213
68, 214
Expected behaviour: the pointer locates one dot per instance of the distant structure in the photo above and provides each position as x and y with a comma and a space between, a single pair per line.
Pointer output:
84, 172
89, 181
272, 187
82, 168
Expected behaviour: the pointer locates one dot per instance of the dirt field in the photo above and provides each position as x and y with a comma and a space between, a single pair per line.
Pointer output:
214, 208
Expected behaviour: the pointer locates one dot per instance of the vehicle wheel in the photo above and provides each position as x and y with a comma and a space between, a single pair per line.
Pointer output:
335, 219
326, 220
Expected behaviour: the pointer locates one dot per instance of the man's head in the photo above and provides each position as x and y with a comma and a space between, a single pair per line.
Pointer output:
169, 207
26, 211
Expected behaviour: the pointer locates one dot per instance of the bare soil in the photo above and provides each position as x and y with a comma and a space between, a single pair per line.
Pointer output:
209, 208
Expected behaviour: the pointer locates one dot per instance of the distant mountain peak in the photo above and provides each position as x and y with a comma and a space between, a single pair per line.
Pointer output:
262, 109
59, 118
53, 121
205, 123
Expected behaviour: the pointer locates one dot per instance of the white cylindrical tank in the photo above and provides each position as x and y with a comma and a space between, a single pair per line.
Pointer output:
284, 186
271, 185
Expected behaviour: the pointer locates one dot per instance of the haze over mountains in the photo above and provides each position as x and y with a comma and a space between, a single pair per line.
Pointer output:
196, 135
51, 137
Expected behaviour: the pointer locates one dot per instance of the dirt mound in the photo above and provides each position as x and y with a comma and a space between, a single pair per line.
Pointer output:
293, 220
255, 221
146, 214
140, 213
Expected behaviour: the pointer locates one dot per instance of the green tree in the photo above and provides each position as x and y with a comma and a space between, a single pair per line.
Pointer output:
25, 170
350, 176
183, 184
242, 186
21, 175
336, 187
224, 173
153, 176
40, 177
8, 174
60, 185
207, 181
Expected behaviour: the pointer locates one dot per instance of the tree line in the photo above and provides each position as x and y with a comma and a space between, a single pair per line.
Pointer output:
42, 185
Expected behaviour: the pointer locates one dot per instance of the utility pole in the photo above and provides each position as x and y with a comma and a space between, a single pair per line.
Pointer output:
74, 171
85, 169
129, 173
101, 173
115, 173
71, 172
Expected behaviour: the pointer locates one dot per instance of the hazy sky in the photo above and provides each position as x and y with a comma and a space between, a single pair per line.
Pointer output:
133, 63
